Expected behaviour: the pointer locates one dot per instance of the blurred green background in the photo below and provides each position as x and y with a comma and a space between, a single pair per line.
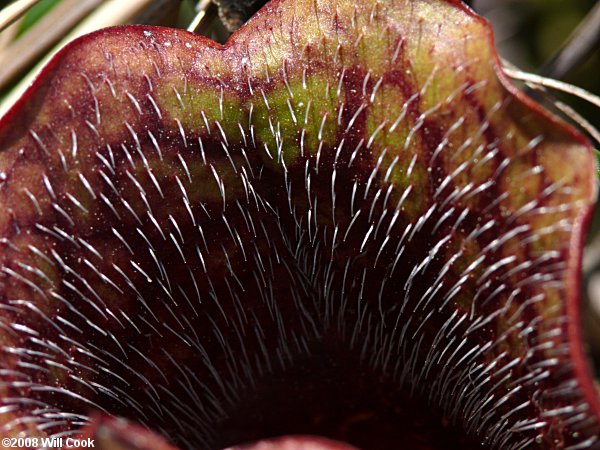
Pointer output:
529, 32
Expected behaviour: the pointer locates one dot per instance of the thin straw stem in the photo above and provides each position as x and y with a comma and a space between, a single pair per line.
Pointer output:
14, 11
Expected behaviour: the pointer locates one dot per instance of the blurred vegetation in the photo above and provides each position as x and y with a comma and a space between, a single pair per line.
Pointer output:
529, 32
34, 14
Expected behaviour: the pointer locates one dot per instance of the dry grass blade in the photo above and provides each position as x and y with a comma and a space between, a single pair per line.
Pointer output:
111, 12
568, 112
579, 120
46, 32
202, 8
14, 11
580, 44
554, 84
7, 36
